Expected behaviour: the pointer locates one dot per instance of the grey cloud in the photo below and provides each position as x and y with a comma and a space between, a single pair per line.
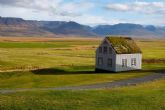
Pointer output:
20, 3
65, 13
15, 2
142, 7
8, 2
50, 6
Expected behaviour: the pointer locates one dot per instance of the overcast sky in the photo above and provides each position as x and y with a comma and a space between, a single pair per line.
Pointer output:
89, 12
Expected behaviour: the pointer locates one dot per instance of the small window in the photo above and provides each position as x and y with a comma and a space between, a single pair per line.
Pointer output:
100, 61
124, 62
100, 49
110, 50
133, 61
109, 63
105, 50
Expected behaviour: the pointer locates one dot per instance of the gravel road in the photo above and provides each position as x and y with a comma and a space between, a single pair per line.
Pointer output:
120, 83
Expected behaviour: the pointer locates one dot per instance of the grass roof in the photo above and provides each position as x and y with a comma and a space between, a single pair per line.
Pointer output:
123, 45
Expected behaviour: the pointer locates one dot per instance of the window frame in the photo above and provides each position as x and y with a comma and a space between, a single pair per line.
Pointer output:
100, 49
100, 60
133, 62
124, 62
109, 62
110, 50
105, 49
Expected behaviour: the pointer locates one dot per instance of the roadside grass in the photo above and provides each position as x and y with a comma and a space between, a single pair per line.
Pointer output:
62, 63
67, 76
148, 96
38, 80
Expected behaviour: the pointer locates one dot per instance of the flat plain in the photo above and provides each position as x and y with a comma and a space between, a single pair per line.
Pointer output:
58, 62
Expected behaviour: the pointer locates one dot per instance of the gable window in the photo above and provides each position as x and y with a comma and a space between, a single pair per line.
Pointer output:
105, 49
133, 61
110, 50
109, 63
124, 62
100, 61
100, 49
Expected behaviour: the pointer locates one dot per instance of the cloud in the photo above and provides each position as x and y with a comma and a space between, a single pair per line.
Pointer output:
93, 20
47, 10
142, 7
84, 11
117, 7
34, 4
75, 8
56, 7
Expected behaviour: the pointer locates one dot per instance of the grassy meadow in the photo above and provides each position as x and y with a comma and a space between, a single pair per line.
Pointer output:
70, 62
149, 96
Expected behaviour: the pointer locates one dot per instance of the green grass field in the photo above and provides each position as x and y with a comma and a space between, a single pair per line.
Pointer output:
71, 63
149, 96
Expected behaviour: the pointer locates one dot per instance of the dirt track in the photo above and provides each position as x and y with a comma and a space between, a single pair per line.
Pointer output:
121, 83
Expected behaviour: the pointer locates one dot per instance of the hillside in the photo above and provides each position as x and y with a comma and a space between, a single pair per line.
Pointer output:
130, 30
67, 28
19, 27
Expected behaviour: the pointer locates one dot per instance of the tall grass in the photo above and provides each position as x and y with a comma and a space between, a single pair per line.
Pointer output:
149, 96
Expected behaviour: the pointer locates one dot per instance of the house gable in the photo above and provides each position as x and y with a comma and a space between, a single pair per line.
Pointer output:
105, 56
106, 43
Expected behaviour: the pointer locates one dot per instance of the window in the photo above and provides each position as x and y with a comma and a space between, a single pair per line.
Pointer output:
124, 62
109, 63
100, 61
105, 49
110, 50
133, 61
100, 49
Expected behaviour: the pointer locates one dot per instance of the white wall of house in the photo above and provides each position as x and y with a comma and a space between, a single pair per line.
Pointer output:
130, 65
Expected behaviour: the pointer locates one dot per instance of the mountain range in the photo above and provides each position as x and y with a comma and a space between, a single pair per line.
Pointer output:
19, 27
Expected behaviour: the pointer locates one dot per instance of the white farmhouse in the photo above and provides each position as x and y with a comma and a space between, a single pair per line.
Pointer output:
118, 54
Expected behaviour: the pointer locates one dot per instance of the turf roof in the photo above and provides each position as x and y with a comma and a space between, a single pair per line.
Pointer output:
123, 45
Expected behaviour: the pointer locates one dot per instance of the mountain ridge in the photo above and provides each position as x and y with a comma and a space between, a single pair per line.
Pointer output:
10, 26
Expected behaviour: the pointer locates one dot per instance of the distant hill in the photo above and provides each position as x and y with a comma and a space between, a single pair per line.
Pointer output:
68, 28
130, 30
19, 27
